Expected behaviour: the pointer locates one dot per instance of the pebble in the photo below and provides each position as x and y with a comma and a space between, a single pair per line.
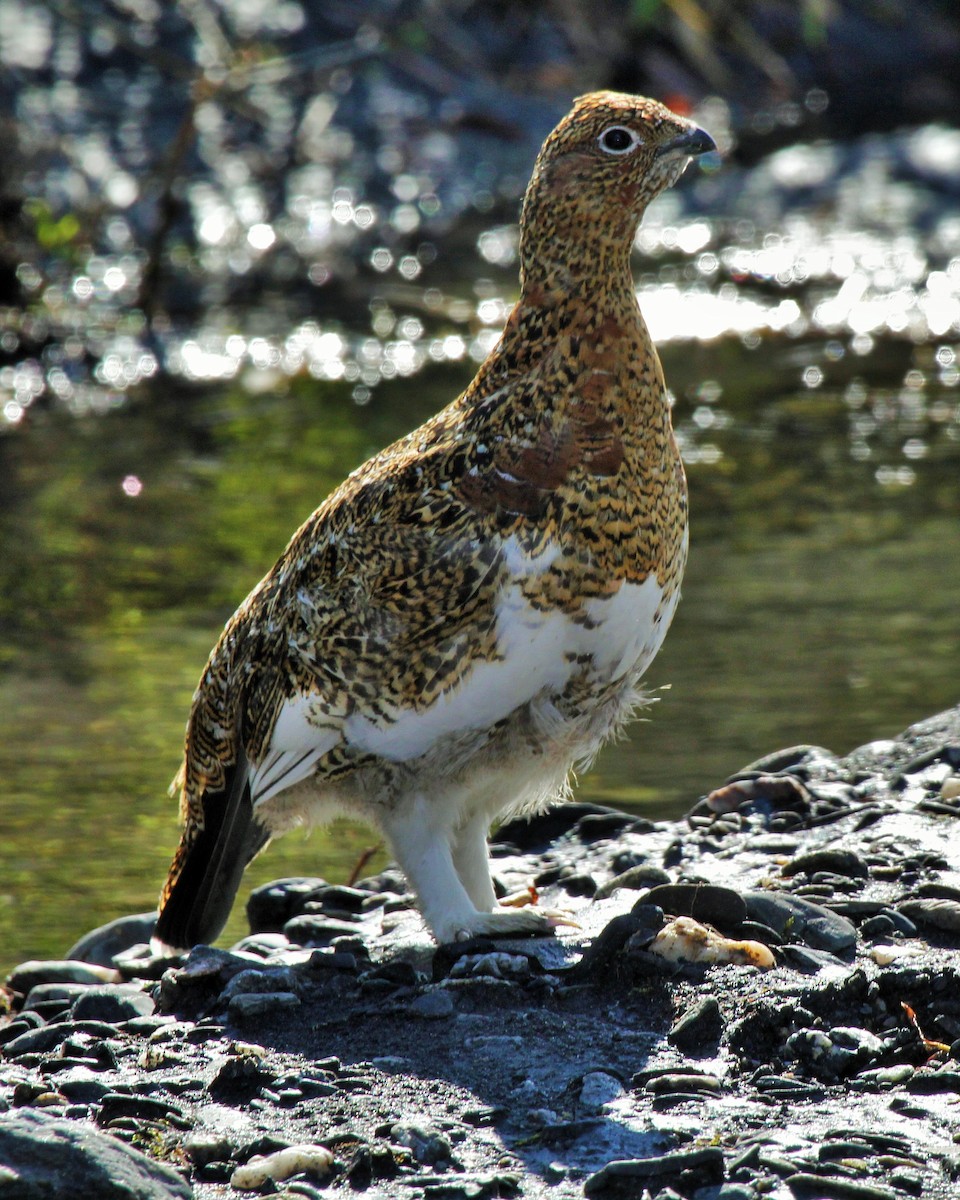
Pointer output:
432, 1005
785, 1087
277, 979
806, 1186
311, 930
250, 1005
811, 923
29, 974
426, 1143
113, 1004
599, 1088
933, 913
804, 958
699, 1168
270, 906
281, 1164
683, 1081
101, 1060
47, 998
699, 1028
718, 906
336, 899
44, 1155
636, 877
101, 945
595, 826
46, 1037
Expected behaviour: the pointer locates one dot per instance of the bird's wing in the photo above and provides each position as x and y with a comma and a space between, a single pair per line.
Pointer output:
388, 628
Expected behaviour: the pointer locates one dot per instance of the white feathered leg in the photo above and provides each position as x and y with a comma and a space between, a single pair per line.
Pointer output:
425, 853
471, 859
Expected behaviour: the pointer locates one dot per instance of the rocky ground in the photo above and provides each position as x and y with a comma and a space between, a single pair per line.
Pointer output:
336, 1050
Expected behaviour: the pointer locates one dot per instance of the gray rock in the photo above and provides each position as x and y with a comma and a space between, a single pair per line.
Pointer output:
628, 1177
432, 1005
637, 878
46, 1037
271, 906
100, 945
802, 920
836, 861
44, 993
719, 906
29, 974
48, 1158
933, 913
699, 1028
271, 979
314, 930
112, 1004
807, 1186
426, 1144
248, 1005
599, 1088
683, 1081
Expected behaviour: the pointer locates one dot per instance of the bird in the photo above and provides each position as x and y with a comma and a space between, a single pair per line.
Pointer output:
465, 620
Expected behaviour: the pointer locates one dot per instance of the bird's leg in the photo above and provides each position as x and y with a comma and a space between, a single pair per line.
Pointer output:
424, 851
425, 855
471, 859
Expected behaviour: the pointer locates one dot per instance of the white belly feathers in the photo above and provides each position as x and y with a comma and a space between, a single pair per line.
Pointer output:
540, 652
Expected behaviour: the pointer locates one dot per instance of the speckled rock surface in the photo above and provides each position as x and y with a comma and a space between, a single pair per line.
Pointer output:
584, 1064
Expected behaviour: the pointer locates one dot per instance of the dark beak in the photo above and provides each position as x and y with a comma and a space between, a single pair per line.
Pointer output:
691, 143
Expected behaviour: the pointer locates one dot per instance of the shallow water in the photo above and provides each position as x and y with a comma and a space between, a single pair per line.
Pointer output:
813, 352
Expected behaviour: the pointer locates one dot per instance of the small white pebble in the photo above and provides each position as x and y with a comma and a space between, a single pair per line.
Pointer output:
885, 954
951, 788
292, 1160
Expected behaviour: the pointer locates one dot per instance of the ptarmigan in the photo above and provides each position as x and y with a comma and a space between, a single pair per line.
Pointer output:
468, 616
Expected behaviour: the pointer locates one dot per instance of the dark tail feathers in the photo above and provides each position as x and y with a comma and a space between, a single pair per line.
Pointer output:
206, 871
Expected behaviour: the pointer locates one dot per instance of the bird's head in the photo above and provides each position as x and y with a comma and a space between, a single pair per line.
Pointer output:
602, 165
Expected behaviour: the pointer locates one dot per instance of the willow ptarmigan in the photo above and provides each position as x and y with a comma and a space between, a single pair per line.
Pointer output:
467, 617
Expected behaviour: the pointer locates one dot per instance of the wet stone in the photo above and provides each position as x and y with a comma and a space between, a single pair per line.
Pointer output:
49, 1156
595, 826
637, 877
599, 1088
808, 960
539, 832
807, 1186
433, 1005
699, 1029
932, 913
316, 930
52, 997
579, 884
628, 1177
101, 945
803, 920
29, 974
683, 1081
112, 1004
718, 906
337, 899
250, 1005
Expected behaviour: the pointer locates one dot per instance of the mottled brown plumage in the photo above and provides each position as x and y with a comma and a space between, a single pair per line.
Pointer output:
468, 615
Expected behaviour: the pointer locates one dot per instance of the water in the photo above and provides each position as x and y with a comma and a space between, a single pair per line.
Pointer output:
809, 315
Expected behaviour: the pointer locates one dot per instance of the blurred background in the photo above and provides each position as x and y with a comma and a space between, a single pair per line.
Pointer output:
246, 243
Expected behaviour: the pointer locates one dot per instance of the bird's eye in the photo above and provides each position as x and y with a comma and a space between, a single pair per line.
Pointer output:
618, 140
